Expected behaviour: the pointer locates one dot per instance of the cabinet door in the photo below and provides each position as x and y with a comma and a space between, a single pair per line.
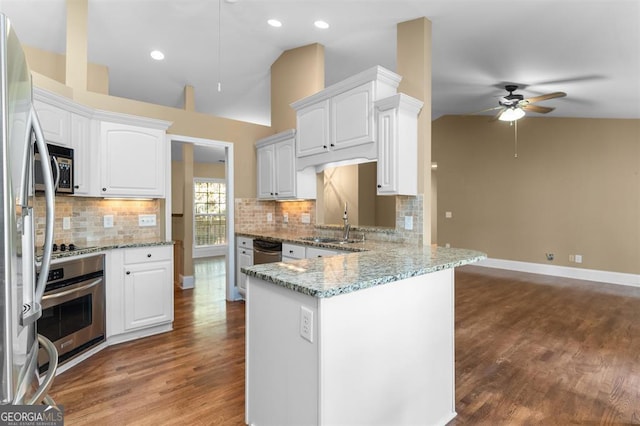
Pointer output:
81, 143
352, 121
148, 296
312, 131
285, 170
55, 123
266, 177
387, 153
132, 161
244, 258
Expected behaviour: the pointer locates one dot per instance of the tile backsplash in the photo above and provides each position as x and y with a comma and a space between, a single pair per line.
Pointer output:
87, 225
252, 216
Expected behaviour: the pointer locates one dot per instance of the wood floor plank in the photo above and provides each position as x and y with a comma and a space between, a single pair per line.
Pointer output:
530, 350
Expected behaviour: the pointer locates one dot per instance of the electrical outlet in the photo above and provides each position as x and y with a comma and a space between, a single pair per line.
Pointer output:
305, 218
578, 258
306, 323
285, 218
550, 256
269, 217
66, 223
448, 215
146, 220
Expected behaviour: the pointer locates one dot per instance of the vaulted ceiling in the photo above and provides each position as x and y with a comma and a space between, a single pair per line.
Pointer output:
588, 49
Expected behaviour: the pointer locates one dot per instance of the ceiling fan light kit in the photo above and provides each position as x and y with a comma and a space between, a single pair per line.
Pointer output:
511, 114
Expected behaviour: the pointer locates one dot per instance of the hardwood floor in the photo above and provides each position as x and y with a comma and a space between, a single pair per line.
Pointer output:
530, 349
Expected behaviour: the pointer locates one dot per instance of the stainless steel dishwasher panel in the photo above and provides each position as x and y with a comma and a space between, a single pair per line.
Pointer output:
266, 252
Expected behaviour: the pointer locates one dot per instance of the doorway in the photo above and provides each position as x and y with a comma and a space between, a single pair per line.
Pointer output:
200, 158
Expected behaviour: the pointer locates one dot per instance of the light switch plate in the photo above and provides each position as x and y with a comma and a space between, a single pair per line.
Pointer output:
408, 223
108, 221
448, 215
305, 218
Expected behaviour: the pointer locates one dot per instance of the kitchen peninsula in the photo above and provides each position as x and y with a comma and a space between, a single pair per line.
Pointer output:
365, 337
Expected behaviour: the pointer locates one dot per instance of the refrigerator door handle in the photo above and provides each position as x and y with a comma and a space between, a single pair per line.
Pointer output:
43, 389
56, 168
49, 201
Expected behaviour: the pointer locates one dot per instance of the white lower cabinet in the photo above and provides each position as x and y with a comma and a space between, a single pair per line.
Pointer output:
244, 258
139, 291
319, 252
292, 252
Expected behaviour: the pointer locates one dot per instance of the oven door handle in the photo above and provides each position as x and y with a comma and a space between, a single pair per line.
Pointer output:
71, 291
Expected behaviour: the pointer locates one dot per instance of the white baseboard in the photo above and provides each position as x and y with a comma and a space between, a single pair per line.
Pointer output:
564, 271
187, 281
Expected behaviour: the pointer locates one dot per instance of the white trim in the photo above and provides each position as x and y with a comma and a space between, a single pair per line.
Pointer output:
564, 271
187, 281
232, 292
209, 251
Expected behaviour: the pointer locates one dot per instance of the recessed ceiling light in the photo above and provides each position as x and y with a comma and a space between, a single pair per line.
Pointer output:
157, 55
321, 24
274, 23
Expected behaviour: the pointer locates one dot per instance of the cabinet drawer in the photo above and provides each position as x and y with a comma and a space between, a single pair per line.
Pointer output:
293, 251
244, 242
319, 252
147, 254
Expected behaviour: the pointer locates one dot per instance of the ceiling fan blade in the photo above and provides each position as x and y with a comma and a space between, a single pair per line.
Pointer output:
545, 97
495, 117
537, 108
485, 110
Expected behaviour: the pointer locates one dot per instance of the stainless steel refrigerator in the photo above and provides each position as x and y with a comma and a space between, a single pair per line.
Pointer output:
21, 289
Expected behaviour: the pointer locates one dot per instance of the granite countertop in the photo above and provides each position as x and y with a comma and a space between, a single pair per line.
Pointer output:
99, 247
368, 264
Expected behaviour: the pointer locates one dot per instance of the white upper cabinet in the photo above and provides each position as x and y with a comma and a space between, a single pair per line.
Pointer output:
67, 123
313, 129
338, 123
115, 155
81, 142
132, 160
55, 123
352, 117
277, 177
397, 120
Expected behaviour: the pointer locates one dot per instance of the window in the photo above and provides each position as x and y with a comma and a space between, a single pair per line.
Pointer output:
210, 212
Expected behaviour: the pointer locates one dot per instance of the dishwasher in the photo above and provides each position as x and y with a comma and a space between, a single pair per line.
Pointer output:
266, 252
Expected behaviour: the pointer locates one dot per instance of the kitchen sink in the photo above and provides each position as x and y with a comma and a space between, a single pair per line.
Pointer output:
329, 240
321, 239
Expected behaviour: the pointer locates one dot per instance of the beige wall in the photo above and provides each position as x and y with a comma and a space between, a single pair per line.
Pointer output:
574, 189
53, 65
296, 74
414, 65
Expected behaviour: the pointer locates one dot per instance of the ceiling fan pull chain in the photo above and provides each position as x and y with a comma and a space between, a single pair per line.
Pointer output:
515, 147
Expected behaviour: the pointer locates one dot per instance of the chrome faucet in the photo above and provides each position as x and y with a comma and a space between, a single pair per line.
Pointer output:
347, 227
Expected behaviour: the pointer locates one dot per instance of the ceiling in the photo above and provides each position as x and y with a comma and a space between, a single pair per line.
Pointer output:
588, 49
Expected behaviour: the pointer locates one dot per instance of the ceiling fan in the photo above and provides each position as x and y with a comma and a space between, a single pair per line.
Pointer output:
513, 106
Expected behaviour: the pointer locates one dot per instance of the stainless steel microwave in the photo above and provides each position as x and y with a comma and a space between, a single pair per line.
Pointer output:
61, 159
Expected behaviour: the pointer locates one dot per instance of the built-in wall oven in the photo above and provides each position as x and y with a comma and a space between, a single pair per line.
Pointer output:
73, 314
